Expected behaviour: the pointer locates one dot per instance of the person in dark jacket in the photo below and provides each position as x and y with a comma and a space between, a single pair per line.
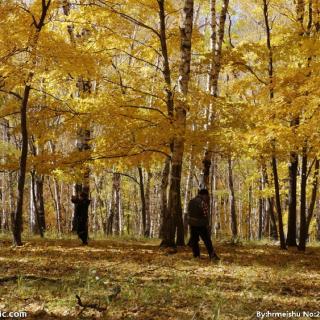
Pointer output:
80, 219
198, 219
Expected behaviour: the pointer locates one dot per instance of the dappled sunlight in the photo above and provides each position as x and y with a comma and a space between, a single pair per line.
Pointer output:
155, 285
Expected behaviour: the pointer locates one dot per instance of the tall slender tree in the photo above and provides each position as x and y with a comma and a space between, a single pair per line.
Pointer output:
181, 109
37, 26
271, 97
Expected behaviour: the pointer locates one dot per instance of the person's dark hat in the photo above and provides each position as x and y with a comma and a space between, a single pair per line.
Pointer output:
203, 192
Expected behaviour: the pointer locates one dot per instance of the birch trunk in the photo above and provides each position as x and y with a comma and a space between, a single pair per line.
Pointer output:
37, 220
57, 201
56, 196
318, 221
113, 204
215, 213
216, 42
3, 204
303, 199
261, 210
36, 196
269, 204
174, 202
84, 134
6, 185
188, 192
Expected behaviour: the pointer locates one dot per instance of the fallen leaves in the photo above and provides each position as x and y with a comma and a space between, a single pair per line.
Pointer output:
153, 285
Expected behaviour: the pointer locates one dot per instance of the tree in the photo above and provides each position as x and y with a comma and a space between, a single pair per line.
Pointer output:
32, 45
174, 201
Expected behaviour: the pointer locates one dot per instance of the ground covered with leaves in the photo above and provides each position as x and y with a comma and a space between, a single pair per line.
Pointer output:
134, 279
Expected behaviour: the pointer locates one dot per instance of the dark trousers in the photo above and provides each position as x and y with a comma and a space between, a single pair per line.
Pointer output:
196, 234
82, 230
83, 235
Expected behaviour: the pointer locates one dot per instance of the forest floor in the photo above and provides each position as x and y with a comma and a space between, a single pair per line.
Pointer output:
134, 279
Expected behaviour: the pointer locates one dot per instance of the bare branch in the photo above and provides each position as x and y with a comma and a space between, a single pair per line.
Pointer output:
146, 108
111, 7
252, 72
134, 89
17, 95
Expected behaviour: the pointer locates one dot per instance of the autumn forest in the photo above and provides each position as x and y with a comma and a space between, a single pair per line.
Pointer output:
135, 106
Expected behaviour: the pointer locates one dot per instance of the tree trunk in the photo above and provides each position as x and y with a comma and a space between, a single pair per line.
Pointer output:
205, 183
232, 202
117, 204
218, 46
99, 216
40, 201
37, 220
36, 199
273, 223
260, 225
165, 55
174, 202
95, 217
56, 196
300, 12
164, 220
110, 215
84, 134
7, 186
278, 202
175, 222
148, 205
113, 220
216, 42
5, 207
33, 221
270, 206
143, 202
213, 199
313, 193
17, 216
271, 96
57, 202
82, 145
294, 159
250, 213
3, 203
318, 221
292, 200
303, 198
11, 196
188, 192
